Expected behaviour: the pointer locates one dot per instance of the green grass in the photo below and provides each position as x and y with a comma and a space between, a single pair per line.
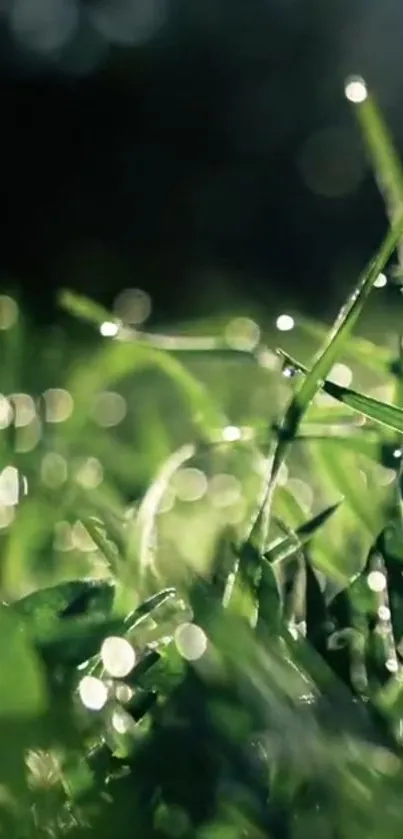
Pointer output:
201, 584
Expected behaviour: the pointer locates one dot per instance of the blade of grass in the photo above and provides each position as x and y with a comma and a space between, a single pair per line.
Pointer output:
322, 364
381, 412
142, 540
384, 158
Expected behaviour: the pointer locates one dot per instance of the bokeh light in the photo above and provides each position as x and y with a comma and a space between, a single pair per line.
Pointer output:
331, 162
376, 581
191, 641
285, 323
242, 334
43, 26
122, 722
123, 692
380, 281
341, 375
231, 433
109, 329
53, 470
224, 490
93, 693
356, 89
6, 412
24, 409
126, 22
58, 404
90, 473
109, 409
9, 486
133, 306
63, 536
118, 656
189, 484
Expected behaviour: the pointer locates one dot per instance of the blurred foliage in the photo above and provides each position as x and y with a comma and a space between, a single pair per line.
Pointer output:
202, 616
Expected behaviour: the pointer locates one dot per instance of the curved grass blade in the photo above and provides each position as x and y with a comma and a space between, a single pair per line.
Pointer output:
143, 539
285, 547
118, 360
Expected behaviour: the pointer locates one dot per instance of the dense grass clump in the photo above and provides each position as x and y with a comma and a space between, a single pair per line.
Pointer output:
202, 616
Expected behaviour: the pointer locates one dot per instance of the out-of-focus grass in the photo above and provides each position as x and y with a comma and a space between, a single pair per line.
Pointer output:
202, 616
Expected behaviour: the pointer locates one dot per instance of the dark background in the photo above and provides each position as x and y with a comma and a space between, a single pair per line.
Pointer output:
205, 154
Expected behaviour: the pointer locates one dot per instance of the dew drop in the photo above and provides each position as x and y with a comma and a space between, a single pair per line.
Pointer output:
355, 90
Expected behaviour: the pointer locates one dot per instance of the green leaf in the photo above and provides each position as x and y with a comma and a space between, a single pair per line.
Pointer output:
285, 547
22, 685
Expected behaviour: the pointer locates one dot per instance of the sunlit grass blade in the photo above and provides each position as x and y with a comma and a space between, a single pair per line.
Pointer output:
322, 364
384, 158
285, 547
